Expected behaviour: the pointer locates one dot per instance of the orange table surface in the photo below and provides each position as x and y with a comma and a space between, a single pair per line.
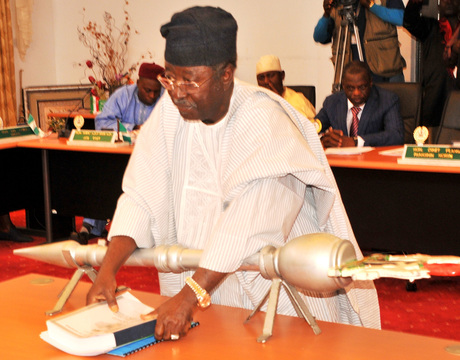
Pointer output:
375, 160
220, 335
52, 142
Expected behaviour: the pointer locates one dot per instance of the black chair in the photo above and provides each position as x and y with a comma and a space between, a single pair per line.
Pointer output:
410, 100
309, 91
449, 128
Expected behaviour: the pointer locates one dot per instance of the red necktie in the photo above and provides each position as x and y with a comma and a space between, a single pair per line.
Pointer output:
354, 125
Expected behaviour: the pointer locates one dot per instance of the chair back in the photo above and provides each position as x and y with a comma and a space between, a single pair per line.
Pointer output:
309, 91
410, 100
449, 128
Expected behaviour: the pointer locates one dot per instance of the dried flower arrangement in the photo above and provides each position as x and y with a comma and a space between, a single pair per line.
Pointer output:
55, 124
108, 47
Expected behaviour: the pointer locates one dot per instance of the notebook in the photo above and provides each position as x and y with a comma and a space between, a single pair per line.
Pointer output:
138, 345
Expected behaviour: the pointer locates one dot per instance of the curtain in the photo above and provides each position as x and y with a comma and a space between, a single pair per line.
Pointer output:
7, 78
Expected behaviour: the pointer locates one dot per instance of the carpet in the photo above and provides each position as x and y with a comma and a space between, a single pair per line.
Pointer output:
432, 310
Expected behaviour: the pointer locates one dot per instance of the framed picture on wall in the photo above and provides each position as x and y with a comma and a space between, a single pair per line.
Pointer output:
40, 101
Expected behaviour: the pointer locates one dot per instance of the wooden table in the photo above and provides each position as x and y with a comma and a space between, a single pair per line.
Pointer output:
376, 161
399, 207
220, 335
78, 180
391, 206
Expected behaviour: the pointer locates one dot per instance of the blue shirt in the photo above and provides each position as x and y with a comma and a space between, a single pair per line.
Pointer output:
124, 105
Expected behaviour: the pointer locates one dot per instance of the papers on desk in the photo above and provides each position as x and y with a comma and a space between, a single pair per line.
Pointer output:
95, 329
348, 150
404, 267
393, 152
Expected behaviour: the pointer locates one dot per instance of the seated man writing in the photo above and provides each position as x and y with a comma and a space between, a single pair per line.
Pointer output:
228, 168
361, 114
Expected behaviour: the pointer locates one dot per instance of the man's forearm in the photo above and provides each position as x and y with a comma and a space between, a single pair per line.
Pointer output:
321, 34
208, 279
118, 251
392, 16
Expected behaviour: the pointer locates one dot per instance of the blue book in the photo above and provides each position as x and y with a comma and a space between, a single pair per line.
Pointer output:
138, 345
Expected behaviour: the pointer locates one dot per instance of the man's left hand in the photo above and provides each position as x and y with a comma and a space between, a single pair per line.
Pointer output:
174, 317
335, 138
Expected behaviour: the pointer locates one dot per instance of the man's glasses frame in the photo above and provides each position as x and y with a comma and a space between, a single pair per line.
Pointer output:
189, 87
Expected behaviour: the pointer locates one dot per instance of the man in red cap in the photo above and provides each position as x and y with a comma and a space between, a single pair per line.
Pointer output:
132, 105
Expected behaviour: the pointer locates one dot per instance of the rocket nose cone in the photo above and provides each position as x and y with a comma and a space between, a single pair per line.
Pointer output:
52, 253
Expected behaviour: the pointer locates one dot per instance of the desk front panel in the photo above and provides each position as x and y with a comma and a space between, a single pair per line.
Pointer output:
21, 180
402, 210
85, 183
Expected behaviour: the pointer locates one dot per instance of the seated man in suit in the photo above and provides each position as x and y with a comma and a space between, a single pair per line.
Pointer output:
271, 76
361, 114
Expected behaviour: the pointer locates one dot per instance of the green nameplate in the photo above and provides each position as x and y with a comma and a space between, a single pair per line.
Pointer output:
93, 136
96, 138
14, 132
431, 155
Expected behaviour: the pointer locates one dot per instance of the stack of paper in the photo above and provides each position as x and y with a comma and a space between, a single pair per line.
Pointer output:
95, 329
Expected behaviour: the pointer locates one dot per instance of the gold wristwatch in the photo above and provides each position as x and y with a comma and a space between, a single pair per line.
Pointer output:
204, 300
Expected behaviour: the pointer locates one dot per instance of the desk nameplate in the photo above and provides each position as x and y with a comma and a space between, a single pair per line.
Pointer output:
16, 132
95, 138
439, 155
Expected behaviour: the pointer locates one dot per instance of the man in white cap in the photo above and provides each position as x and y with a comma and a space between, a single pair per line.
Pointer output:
228, 168
271, 76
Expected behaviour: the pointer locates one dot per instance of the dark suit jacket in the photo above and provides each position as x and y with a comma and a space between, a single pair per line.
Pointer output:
380, 124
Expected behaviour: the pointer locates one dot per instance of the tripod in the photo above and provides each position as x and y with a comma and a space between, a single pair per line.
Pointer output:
347, 25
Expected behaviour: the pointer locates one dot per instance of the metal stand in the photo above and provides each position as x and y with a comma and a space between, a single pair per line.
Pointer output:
272, 296
70, 286
347, 25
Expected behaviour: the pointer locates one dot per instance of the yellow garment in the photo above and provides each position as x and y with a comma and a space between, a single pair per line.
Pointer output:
300, 103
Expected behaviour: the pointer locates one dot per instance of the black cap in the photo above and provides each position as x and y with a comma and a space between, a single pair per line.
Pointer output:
200, 36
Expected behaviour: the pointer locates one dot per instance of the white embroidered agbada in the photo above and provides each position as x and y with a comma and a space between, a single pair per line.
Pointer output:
258, 177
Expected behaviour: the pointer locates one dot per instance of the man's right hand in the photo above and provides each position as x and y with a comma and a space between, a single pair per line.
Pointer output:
103, 289
332, 138
105, 286
327, 6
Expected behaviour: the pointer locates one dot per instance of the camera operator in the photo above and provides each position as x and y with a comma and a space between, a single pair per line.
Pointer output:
438, 61
376, 23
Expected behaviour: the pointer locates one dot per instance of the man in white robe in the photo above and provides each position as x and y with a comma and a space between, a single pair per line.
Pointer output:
228, 168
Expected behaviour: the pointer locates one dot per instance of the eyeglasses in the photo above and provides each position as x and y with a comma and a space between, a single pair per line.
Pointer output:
189, 87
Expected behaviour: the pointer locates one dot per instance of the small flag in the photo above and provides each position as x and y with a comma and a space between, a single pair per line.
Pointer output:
126, 135
33, 126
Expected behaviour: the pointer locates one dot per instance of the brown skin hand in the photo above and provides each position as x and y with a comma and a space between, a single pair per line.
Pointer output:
175, 315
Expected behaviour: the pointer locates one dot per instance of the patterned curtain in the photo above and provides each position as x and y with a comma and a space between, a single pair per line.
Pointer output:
7, 78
